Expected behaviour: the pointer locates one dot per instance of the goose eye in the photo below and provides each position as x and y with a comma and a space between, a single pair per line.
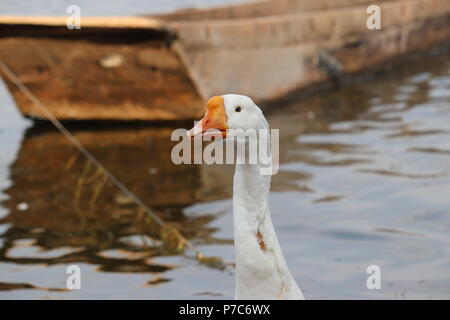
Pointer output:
238, 109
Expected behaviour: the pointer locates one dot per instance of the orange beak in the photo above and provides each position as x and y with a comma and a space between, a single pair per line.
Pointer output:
215, 119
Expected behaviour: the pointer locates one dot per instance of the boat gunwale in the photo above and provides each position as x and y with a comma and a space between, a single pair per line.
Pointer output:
287, 17
158, 22
170, 16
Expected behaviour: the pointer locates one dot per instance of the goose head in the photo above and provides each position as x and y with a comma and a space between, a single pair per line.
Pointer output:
230, 111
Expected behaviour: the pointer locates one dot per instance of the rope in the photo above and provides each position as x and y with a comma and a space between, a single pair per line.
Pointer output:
49, 115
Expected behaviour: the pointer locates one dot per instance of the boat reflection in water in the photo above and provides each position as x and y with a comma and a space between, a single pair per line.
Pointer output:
60, 202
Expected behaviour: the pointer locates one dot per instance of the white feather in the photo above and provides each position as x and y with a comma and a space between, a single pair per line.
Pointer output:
261, 270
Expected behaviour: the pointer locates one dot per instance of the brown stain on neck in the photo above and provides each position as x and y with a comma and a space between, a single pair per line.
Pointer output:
260, 239
281, 293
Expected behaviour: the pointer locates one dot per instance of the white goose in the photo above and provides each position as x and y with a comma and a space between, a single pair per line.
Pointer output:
261, 270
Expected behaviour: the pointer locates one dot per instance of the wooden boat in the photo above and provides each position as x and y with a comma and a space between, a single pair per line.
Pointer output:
164, 67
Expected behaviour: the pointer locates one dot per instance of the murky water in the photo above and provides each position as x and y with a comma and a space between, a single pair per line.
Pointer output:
364, 179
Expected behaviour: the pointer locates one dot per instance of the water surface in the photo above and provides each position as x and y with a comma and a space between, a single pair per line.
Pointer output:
364, 179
